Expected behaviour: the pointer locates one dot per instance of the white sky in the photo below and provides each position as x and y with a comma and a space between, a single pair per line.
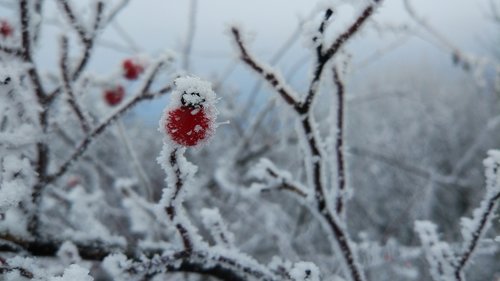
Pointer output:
157, 25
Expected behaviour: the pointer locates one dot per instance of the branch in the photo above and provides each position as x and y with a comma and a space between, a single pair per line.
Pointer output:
339, 149
144, 94
266, 73
312, 138
17, 52
68, 11
238, 266
67, 86
5, 267
225, 268
470, 247
324, 57
266, 170
473, 229
174, 200
86, 37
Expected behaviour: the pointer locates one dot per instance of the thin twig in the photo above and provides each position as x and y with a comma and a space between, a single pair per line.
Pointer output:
286, 185
324, 56
268, 74
339, 140
68, 88
171, 209
485, 216
144, 94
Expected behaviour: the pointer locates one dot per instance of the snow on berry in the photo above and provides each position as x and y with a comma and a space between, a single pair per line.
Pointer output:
132, 68
190, 117
114, 95
6, 29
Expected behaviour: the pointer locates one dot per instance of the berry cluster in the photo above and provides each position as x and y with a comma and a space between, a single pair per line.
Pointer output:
131, 69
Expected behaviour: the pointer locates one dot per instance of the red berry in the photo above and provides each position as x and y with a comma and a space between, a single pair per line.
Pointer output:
188, 125
114, 96
131, 69
6, 29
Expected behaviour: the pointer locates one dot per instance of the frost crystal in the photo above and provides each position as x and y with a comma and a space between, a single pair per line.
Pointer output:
74, 273
305, 271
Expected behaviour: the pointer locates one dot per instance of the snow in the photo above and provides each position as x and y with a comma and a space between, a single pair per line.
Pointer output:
114, 265
189, 85
74, 273
438, 253
217, 227
68, 252
305, 271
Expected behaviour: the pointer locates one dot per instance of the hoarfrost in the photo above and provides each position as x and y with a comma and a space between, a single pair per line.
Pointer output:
74, 273
305, 271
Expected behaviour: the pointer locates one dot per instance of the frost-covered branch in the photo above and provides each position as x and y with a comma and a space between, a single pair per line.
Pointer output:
339, 141
87, 37
144, 94
68, 88
5, 268
267, 73
473, 229
276, 179
323, 57
173, 197
315, 158
444, 263
11, 51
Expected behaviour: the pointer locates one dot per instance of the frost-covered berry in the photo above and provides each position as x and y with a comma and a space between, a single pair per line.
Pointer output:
132, 69
187, 125
190, 118
6, 29
114, 96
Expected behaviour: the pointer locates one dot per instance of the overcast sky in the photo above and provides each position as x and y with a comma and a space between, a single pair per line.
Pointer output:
157, 25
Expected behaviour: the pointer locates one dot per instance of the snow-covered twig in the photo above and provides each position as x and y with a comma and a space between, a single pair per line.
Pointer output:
68, 88
323, 57
339, 141
5, 268
446, 264
87, 37
144, 94
312, 140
